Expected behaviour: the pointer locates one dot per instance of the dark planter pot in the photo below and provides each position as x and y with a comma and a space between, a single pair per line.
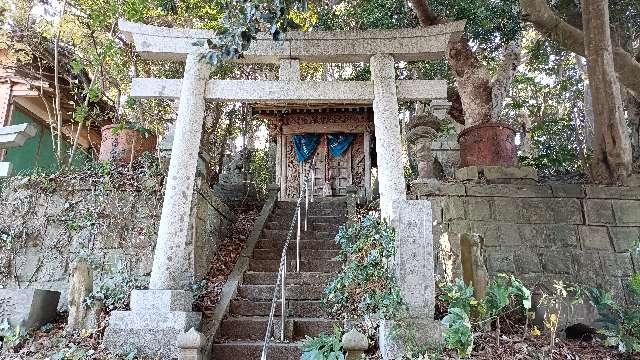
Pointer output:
489, 144
125, 145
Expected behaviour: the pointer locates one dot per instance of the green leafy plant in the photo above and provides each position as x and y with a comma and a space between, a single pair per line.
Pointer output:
459, 334
323, 346
11, 335
621, 327
365, 286
114, 291
504, 294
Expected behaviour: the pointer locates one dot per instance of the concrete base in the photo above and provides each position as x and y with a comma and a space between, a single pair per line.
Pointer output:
156, 320
428, 332
29, 308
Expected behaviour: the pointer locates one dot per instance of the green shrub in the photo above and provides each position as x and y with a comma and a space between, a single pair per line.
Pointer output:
504, 293
621, 325
115, 290
323, 346
365, 285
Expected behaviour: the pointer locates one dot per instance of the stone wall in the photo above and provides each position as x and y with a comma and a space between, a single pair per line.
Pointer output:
43, 230
578, 234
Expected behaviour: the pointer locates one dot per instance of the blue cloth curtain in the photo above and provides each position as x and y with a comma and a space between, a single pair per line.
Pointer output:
339, 143
305, 145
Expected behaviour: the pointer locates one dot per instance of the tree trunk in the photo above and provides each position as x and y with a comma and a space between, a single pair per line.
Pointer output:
611, 161
547, 22
473, 81
475, 86
633, 120
505, 74
587, 105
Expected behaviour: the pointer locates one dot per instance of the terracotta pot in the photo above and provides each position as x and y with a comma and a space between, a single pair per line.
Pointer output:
125, 145
490, 144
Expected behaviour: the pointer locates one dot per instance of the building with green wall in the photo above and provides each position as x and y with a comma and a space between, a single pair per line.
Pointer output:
38, 152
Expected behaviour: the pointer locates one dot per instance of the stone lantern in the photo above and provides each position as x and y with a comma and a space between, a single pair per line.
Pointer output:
422, 130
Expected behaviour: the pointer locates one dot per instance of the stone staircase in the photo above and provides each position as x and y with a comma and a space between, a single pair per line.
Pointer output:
241, 333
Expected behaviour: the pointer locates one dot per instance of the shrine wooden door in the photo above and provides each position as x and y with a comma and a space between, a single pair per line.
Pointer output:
337, 175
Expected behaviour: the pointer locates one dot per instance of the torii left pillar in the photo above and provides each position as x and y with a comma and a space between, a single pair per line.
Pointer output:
162, 313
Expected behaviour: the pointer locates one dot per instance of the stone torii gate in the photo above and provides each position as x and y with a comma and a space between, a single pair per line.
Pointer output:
159, 314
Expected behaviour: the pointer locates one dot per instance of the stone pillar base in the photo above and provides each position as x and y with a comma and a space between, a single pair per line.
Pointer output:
428, 332
157, 318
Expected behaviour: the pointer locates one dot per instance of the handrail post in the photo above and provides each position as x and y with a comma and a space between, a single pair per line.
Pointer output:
306, 204
298, 244
283, 299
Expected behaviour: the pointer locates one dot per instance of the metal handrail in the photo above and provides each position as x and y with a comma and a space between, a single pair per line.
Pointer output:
281, 279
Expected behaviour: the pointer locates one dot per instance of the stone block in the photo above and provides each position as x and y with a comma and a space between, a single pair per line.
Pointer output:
509, 235
506, 210
556, 262
429, 188
156, 320
617, 265
558, 236
612, 192
29, 308
594, 237
537, 211
527, 261
488, 231
568, 191
566, 211
624, 238
478, 208
459, 227
627, 212
549, 235
500, 260
467, 173
509, 190
588, 267
452, 209
501, 172
598, 212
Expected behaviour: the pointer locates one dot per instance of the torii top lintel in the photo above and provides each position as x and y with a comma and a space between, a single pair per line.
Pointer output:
423, 43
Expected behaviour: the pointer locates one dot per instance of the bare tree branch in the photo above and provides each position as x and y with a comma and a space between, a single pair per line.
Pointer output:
538, 13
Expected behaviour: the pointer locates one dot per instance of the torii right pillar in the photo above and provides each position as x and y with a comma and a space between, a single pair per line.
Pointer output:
413, 263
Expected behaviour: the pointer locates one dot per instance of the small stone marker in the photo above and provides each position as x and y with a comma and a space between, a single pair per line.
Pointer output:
354, 343
29, 308
190, 345
80, 286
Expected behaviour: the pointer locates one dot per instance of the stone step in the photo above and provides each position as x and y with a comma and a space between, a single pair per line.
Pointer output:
304, 244
306, 235
305, 254
251, 328
323, 227
252, 350
293, 292
333, 212
269, 278
327, 266
295, 308
254, 327
336, 204
311, 219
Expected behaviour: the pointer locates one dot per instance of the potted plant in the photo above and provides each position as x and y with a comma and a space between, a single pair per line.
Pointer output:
126, 141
